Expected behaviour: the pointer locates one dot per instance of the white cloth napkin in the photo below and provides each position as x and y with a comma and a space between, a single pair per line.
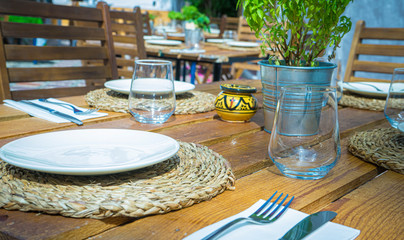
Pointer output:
187, 50
40, 113
277, 229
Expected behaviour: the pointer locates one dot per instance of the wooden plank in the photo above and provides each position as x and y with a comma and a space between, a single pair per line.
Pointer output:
360, 25
4, 83
25, 30
310, 196
376, 208
381, 67
124, 62
59, 73
122, 15
125, 39
26, 8
383, 50
123, 27
362, 79
25, 52
383, 33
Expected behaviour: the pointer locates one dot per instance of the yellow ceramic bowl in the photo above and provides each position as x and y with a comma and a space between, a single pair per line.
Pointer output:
236, 103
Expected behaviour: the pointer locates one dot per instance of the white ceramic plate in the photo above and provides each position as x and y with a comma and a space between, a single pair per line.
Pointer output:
164, 42
368, 88
176, 34
123, 85
167, 29
153, 37
242, 44
89, 151
217, 40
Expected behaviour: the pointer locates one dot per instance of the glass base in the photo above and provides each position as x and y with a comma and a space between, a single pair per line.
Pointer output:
307, 174
155, 120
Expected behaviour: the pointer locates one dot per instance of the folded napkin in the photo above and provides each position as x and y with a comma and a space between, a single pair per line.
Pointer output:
277, 229
40, 113
187, 50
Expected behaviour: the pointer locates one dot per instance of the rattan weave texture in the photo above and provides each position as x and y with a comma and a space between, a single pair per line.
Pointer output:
356, 101
383, 147
187, 103
193, 175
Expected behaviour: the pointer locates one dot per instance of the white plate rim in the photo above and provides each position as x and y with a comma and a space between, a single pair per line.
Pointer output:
164, 42
93, 170
355, 87
153, 37
184, 86
242, 44
216, 40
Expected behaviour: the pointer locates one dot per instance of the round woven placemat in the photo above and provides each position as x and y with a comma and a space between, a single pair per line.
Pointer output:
194, 174
187, 103
383, 147
356, 101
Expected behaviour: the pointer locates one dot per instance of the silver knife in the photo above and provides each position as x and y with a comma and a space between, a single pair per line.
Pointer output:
54, 112
308, 225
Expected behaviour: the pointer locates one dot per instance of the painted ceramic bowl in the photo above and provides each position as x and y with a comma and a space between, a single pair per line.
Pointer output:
236, 103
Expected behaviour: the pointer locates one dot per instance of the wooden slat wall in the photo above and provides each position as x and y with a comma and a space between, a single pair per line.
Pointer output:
359, 48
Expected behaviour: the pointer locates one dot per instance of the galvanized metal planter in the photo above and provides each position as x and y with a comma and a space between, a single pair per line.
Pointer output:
274, 77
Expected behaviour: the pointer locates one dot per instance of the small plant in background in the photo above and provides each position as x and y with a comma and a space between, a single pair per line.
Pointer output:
299, 30
191, 14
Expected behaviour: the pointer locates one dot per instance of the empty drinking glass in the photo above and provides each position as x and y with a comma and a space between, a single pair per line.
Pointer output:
304, 141
152, 94
394, 108
230, 35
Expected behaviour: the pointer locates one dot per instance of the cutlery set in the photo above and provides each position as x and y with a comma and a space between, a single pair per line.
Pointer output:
264, 215
75, 110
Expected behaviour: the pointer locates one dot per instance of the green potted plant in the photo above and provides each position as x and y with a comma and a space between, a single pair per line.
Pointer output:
299, 31
194, 24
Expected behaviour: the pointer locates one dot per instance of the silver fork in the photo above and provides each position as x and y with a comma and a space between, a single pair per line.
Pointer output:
260, 216
70, 106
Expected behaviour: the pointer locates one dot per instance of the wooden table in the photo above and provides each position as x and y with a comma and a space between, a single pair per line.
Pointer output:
214, 54
365, 197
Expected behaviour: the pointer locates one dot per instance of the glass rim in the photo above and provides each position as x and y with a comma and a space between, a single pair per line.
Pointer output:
398, 70
312, 87
152, 62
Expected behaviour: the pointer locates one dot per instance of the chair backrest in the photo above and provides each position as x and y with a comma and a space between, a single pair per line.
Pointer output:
221, 23
95, 76
127, 31
363, 51
244, 32
146, 23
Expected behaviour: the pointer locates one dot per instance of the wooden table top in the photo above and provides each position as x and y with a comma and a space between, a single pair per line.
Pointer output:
214, 53
365, 196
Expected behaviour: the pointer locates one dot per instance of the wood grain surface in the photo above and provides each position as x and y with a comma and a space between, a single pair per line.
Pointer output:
365, 197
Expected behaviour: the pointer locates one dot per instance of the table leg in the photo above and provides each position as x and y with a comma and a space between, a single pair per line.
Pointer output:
177, 69
217, 72
193, 72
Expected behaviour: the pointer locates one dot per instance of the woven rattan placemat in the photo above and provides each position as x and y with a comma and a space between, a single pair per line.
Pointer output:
383, 147
194, 174
360, 102
187, 103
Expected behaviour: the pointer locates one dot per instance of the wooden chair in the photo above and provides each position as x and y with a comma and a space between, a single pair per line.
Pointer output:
127, 31
95, 76
244, 32
362, 47
146, 24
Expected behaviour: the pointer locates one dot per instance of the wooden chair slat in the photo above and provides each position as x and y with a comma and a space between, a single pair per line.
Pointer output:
126, 51
85, 24
383, 50
56, 74
26, 30
124, 62
56, 92
376, 67
124, 39
127, 28
383, 33
125, 73
358, 49
46, 11
362, 79
26, 52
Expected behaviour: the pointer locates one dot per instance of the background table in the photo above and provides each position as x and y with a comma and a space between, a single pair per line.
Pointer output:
365, 197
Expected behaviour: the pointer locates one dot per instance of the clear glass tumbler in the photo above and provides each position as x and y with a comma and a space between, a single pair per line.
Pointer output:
394, 108
152, 93
305, 141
